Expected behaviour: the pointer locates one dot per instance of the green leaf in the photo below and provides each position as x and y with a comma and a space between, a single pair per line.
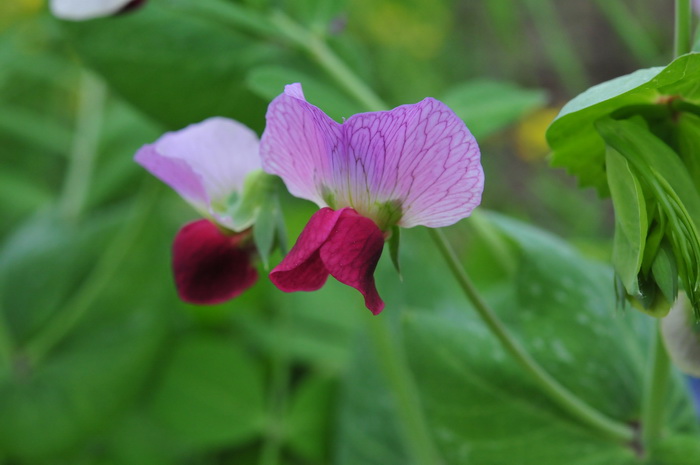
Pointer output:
630, 220
665, 272
687, 141
190, 66
211, 394
575, 143
489, 106
479, 405
268, 82
308, 423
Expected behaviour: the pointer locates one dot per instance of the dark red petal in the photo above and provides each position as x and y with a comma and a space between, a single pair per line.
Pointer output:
302, 269
351, 254
211, 267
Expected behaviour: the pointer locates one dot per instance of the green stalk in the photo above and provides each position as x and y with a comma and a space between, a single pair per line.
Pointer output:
6, 341
77, 180
399, 373
655, 389
558, 393
395, 368
328, 60
682, 28
103, 273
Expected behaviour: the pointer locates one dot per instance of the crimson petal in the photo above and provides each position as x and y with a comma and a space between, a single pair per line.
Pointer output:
211, 267
341, 243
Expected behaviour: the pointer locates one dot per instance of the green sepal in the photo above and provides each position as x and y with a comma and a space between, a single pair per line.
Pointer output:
665, 272
265, 230
243, 207
630, 220
394, 242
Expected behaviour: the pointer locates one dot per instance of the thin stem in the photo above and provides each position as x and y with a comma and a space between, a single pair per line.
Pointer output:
655, 389
278, 395
76, 183
418, 437
328, 60
681, 44
6, 340
557, 392
103, 273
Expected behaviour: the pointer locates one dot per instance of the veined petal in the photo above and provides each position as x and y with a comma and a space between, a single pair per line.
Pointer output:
414, 165
205, 162
78, 10
300, 144
341, 243
351, 254
421, 157
211, 267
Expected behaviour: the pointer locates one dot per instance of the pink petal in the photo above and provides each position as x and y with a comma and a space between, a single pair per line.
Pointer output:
342, 243
351, 254
421, 155
204, 162
302, 268
211, 267
300, 144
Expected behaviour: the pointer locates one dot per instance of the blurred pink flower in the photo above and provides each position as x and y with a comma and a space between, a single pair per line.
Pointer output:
207, 164
414, 165
79, 10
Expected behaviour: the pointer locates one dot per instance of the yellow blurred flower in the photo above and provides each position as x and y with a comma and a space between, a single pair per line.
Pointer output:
530, 141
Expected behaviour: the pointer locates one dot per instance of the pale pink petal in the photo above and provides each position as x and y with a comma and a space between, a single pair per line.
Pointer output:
421, 156
300, 144
86, 9
206, 162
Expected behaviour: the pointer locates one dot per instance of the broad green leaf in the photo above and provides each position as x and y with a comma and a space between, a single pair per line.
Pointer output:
489, 106
190, 67
211, 394
480, 407
575, 143
268, 82
630, 220
308, 422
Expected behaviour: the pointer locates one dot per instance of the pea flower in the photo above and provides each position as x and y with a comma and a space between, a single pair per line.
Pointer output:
414, 165
79, 10
208, 164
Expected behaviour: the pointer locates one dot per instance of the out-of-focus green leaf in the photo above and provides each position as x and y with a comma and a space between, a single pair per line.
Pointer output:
308, 424
489, 106
576, 144
188, 68
630, 220
478, 404
211, 395
35, 128
268, 82
676, 450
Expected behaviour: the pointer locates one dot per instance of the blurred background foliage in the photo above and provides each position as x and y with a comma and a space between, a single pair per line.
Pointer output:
101, 364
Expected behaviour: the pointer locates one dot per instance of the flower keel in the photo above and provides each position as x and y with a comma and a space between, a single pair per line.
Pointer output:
341, 243
211, 267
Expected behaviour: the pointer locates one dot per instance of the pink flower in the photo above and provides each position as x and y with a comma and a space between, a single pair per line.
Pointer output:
79, 10
414, 165
207, 164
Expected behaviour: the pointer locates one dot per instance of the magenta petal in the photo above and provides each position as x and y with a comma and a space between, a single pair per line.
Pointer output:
211, 267
302, 269
351, 254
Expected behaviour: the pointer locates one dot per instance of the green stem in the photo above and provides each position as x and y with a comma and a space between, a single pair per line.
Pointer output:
655, 389
85, 144
328, 60
557, 392
6, 341
100, 277
278, 395
396, 370
629, 29
682, 28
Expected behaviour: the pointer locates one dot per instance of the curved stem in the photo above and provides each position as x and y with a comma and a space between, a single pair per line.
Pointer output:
681, 44
655, 389
557, 392
329, 61
418, 437
76, 183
